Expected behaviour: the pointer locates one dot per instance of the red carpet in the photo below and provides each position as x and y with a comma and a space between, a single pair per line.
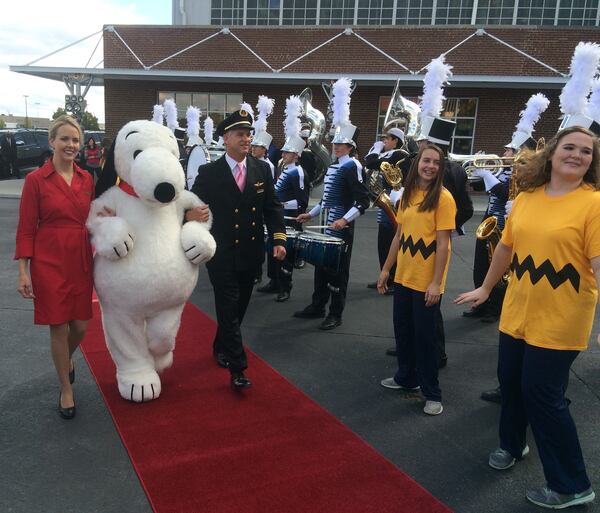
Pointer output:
203, 448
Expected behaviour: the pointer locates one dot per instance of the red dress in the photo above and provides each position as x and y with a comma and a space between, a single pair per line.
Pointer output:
53, 234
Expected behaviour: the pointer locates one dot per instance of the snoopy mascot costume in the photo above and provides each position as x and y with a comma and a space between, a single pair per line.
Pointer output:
146, 260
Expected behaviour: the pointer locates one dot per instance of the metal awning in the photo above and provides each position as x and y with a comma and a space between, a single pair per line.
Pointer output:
99, 75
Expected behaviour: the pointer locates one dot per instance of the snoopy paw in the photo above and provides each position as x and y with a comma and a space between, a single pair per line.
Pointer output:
143, 388
198, 244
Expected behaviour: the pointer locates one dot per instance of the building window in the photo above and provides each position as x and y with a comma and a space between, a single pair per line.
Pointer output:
536, 12
414, 12
495, 12
375, 12
262, 12
337, 12
216, 105
454, 12
299, 12
578, 12
461, 110
227, 12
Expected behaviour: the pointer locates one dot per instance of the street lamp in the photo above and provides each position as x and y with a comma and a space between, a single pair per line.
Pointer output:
37, 104
26, 116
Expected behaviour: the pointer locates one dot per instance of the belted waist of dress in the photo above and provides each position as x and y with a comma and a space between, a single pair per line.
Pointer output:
86, 254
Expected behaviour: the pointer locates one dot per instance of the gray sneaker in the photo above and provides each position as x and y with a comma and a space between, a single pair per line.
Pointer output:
550, 499
391, 383
433, 408
501, 459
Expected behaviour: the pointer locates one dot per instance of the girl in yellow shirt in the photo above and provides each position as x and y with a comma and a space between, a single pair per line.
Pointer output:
552, 244
421, 251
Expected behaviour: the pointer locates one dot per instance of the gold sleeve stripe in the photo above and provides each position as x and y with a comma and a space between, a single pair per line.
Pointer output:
280, 236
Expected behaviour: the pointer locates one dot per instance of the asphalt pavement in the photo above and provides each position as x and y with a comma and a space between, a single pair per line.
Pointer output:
53, 466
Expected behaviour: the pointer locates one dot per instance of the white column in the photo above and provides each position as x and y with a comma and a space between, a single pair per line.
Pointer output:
355, 12
394, 12
245, 12
556, 12
318, 12
433, 12
515, 11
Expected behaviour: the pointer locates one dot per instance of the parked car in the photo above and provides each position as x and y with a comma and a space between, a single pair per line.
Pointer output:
32, 146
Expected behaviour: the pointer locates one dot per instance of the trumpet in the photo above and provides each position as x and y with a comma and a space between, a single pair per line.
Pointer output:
483, 160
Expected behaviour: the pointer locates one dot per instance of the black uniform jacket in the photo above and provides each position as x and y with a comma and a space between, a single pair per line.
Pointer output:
238, 217
455, 180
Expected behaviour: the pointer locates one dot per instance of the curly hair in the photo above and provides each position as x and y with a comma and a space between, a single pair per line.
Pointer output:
536, 169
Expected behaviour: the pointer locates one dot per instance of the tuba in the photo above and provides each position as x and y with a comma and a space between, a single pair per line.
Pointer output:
316, 120
402, 113
393, 176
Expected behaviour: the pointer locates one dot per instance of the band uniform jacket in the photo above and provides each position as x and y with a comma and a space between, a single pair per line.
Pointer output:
238, 217
455, 180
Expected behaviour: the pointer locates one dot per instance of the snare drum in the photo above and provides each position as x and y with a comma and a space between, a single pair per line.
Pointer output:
320, 249
290, 243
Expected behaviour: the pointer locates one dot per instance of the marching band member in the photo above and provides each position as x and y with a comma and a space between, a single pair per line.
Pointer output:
421, 249
262, 139
498, 189
345, 198
551, 241
389, 150
291, 190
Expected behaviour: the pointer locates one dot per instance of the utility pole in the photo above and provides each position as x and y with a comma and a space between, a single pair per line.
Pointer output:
26, 116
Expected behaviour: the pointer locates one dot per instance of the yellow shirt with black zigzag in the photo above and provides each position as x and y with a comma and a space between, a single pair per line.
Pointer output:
416, 255
551, 296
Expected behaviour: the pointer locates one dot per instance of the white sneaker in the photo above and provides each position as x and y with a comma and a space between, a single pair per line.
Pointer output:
433, 408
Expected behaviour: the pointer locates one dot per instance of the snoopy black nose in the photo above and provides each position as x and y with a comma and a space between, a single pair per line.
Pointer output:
164, 192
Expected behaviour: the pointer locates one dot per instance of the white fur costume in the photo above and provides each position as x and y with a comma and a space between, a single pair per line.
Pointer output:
146, 262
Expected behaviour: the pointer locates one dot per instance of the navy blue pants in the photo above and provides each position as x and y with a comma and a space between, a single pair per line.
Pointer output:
415, 331
533, 381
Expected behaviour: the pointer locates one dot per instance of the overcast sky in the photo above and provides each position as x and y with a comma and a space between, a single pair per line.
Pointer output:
30, 29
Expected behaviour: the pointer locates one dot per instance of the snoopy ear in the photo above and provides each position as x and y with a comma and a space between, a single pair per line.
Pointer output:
108, 176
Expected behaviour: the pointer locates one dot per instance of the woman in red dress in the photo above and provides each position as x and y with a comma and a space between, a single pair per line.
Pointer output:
54, 252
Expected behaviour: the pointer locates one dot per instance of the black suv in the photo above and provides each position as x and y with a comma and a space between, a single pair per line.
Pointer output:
32, 146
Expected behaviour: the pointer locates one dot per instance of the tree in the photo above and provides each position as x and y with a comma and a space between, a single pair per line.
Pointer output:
2, 123
87, 120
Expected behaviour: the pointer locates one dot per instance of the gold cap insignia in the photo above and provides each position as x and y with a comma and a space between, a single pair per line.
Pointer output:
243, 113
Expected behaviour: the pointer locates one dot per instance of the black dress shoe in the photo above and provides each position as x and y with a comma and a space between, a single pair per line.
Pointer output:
221, 360
269, 288
330, 322
238, 380
299, 264
283, 295
310, 312
72, 374
391, 351
372, 285
474, 312
65, 413
492, 396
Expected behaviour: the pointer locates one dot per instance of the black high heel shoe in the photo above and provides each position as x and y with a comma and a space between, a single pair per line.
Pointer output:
72, 374
65, 413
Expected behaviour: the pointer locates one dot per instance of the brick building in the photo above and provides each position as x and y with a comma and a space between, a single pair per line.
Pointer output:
496, 69
495, 72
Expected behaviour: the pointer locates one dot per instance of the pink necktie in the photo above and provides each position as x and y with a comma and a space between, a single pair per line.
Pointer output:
240, 177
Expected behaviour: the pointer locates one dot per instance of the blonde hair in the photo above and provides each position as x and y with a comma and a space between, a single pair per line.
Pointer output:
62, 121
538, 167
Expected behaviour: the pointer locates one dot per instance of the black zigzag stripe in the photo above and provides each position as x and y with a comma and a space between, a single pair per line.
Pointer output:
426, 251
555, 278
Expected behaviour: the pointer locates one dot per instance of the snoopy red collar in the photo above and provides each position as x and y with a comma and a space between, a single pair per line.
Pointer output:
124, 186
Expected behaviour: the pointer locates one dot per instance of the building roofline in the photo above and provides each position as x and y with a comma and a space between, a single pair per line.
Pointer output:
99, 75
